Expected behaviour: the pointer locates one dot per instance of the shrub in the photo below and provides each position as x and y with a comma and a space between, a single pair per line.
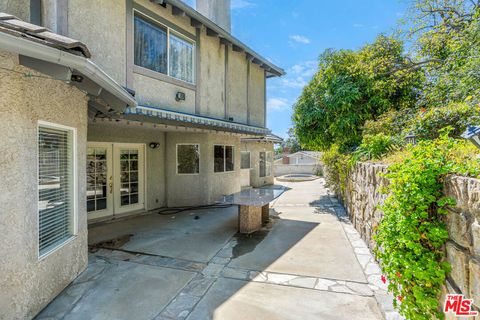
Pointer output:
427, 123
392, 123
335, 168
411, 236
374, 147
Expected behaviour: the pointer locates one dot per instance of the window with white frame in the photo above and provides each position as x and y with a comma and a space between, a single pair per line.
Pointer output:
188, 158
262, 165
161, 49
245, 160
265, 164
56, 178
268, 166
223, 158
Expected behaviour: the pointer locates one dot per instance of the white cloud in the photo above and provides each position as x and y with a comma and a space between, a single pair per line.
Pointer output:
297, 82
241, 4
277, 104
358, 25
304, 69
300, 39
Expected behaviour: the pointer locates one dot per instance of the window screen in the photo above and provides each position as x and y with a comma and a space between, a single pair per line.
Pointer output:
55, 186
229, 161
219, 159
268, 165
188, 158
262, 165
245, 162
223, 158
150, 43
181, 59
157, 48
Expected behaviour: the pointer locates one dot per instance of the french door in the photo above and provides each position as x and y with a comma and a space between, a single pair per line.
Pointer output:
115, 178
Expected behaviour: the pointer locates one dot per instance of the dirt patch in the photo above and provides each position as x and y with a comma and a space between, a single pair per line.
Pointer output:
115, 243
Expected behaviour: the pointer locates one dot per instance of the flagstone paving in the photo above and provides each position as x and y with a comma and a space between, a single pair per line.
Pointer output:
308, 262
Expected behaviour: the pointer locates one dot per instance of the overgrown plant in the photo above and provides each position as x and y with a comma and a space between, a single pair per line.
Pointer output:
336, 167
411, 236
374, 147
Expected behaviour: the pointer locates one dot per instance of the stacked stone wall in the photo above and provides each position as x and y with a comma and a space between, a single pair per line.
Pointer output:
363, 197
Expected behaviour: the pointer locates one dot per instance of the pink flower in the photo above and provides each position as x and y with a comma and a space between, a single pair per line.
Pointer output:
399, 298
384, 280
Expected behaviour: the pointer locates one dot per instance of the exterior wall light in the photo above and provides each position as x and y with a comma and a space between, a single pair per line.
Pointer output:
473, 135
154, 145
180, 96
411, 138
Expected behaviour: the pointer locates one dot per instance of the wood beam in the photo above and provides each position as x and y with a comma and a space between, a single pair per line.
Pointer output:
256, 61
195, 23
177, 11
224, 41
237, 48
211, 33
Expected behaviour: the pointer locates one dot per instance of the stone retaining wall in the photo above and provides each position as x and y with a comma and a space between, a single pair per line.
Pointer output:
362, 198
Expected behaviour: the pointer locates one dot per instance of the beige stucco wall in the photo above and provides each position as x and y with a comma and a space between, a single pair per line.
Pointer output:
19, 8
101, 25
155, 158
207, 186
237, 87
212, 77
255, 148
256, 102
166, 13
27, 284
153, 93
92, 22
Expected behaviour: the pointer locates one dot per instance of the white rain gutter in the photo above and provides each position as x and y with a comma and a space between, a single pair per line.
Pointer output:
83, 65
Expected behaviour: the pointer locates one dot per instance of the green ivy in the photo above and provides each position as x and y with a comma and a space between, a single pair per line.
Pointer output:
412, 234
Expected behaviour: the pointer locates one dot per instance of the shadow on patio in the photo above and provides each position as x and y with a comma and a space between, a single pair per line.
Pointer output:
194, 265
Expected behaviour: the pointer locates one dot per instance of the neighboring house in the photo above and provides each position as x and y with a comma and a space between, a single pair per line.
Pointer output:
301, 162
155, 105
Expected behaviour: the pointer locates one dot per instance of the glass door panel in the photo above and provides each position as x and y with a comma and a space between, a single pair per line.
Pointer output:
99, 180
129, 158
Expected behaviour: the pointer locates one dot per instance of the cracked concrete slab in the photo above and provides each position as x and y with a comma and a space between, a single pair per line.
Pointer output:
236, 299
179, 236
124, 290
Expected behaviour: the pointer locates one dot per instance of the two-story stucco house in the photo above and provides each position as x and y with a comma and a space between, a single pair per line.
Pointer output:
154, 104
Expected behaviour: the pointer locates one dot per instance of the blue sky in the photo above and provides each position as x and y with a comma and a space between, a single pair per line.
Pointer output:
292, 34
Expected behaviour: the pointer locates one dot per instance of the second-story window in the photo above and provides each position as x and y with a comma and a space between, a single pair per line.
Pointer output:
159, 49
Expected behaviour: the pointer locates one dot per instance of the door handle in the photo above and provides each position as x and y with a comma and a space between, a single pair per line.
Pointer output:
111, 185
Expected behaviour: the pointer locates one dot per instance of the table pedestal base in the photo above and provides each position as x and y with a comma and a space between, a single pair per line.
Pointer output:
249, 218
266, 213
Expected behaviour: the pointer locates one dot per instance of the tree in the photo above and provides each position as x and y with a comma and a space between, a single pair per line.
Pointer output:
351, 87
291, 143
446, 43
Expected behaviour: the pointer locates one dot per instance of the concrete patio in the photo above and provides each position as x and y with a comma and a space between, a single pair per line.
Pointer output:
307, 263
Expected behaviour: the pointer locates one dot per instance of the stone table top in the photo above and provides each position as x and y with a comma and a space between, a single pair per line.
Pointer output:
257, 197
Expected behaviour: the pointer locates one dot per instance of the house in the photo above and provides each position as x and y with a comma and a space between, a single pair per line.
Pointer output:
301, 162
116, 108
300, 157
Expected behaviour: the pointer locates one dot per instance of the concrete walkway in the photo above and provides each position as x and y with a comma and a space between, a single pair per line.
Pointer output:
307, 263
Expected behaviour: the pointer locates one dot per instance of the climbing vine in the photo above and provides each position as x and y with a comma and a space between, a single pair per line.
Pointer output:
412, 234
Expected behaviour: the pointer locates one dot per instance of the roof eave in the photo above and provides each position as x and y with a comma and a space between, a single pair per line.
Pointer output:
271, 69
78, 64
